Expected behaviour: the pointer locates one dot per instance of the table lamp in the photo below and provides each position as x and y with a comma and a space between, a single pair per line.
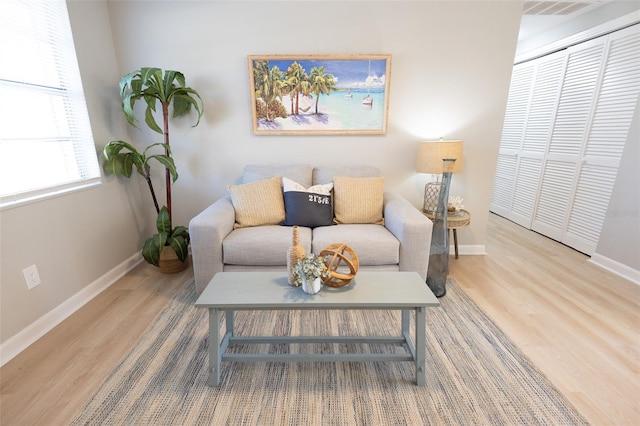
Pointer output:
431, 159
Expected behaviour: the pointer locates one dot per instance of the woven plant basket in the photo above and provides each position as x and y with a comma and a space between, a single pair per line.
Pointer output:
169, 262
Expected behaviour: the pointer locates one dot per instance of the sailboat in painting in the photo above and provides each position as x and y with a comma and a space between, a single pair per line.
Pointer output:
368, 100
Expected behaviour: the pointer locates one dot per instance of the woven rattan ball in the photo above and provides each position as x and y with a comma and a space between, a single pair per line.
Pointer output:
336, 255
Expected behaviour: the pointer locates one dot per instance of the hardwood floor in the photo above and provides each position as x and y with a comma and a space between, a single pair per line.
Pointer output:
576, 322
51, 379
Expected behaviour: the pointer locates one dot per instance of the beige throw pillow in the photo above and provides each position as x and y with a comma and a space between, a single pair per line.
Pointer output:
358, 200
258, 203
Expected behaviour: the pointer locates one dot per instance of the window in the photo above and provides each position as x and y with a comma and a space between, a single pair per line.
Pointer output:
46, 145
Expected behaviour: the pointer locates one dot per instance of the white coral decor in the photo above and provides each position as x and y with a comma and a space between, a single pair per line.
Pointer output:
456, 202
310, 268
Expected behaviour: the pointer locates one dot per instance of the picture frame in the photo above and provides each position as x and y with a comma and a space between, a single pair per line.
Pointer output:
319, 94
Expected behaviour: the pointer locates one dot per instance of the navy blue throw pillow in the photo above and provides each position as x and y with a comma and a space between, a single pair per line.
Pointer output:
310, 207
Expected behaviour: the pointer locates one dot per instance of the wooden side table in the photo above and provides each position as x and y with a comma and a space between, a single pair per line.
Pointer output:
455, 221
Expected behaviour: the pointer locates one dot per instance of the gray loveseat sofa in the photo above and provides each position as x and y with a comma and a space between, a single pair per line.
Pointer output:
399, 242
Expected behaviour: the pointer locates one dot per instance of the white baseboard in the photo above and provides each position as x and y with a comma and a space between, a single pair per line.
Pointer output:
16, 344
477, 250
617, 268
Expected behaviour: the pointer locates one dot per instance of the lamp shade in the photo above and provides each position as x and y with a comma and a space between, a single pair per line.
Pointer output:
431, 156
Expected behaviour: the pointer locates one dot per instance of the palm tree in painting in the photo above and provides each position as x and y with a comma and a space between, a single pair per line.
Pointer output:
260, 76
268, 84
297, 82
288, 88
321, 82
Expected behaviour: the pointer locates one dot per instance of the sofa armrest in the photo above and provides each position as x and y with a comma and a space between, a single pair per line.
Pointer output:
207, 230
412, 229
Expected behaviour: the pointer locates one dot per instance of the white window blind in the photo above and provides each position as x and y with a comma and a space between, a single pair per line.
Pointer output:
46, 145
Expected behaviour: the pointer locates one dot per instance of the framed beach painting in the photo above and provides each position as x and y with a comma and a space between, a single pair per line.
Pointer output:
319, 94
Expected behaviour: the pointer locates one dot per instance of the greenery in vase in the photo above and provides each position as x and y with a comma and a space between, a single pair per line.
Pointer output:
310, 268
169, 89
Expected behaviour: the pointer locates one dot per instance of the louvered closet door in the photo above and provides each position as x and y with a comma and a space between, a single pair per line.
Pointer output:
544, 100
512, 135
567, 122
614, 109
564, 153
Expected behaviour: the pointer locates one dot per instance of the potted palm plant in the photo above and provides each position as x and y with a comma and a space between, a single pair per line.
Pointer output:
169, 247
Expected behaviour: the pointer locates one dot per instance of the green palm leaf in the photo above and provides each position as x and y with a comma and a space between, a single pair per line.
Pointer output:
163, 222
153, 247
180, 246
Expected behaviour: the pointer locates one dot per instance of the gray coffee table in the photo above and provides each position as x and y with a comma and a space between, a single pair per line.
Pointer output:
254, 291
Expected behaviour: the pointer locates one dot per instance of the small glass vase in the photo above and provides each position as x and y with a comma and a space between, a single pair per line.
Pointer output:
311, 286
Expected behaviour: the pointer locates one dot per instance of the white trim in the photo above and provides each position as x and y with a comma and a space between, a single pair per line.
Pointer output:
617, 268
22, 199
16, 344
597, 31
465, 250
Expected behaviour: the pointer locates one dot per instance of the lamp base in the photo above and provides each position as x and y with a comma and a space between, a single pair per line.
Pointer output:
431, 194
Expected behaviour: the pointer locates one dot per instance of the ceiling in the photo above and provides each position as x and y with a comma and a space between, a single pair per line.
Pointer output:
538, 16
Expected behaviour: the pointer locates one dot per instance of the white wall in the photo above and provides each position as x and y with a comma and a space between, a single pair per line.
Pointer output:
451, 67
619, 245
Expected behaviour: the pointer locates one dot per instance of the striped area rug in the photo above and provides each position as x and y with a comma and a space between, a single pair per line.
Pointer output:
475, 375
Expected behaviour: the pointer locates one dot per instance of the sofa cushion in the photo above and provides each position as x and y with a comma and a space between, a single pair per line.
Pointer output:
358, 200
257, 203
262, 245
373, 244
309, 207
301, 173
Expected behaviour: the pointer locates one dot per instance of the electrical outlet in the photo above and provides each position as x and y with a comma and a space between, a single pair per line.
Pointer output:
31, 276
